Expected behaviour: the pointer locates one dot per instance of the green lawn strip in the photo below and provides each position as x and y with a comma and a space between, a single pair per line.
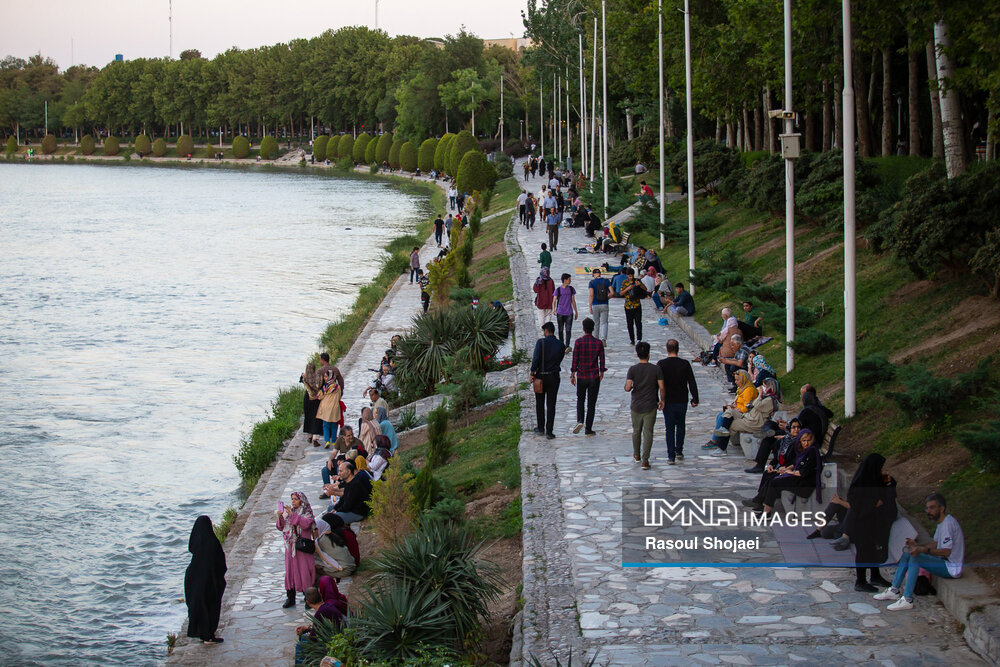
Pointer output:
968, 491
505, 194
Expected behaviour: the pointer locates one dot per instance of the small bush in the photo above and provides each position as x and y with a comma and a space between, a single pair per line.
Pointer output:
438, 441
382, 148
345, 148
476, 220
460, 146
346, 163
392, 507
450, 510
185, 145
397, 146
475, 172
268, 148
442, 152
370, 151
875, 369
504, 165
222, 528
815, 342
396, 622
983, 442
159, 147
425, 157
929, 396
427, 490
821, 196
359, 148
12, 145
713, 163
143, 146
241, 147
319, 147
111, 146
261, 445
49, 144
408, 157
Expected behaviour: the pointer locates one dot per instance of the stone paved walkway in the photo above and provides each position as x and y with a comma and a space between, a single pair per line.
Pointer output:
579, 598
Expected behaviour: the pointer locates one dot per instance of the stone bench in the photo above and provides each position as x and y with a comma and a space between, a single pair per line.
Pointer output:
828, 486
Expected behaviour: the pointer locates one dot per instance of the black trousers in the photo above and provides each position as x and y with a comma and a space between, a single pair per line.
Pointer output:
587, 390
633, 319
521, 213
565, 324
768, 446
545, 403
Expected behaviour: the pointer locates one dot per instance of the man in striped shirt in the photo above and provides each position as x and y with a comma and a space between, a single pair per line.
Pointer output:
586, 374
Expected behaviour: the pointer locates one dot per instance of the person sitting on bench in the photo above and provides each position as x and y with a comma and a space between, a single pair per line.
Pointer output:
801, 478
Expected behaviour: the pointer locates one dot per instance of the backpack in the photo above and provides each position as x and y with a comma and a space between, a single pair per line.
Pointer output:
601, 290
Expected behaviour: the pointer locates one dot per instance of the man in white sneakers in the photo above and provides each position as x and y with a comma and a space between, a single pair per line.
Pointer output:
942, 557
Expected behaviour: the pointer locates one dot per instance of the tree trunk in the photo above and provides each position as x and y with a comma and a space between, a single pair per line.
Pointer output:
838, 110
758, 129
747, 138
827, 117
730, 136
718, 131
810, 131
991, 112
887, 101
668, 117
936, 132
768, 123
864, 122
951, 111
913, 101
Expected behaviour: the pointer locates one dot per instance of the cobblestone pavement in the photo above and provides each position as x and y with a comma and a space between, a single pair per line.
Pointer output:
579, 598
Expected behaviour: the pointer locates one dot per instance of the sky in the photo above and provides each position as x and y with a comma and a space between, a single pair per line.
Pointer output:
92, 31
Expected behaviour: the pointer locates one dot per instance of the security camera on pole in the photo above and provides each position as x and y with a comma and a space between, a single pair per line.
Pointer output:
789, 151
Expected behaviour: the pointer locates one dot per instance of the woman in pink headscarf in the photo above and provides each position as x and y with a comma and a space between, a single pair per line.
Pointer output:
294, 522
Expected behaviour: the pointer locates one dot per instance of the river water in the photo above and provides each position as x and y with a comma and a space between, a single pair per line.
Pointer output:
148, 317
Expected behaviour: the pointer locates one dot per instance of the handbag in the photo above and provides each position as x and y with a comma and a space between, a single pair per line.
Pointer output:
305, 545
536, 384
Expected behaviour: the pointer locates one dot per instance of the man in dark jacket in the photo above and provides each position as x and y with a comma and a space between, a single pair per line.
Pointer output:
545, 361
357, 489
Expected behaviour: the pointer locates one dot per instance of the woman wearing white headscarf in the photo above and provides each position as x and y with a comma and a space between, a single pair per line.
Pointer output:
332, 556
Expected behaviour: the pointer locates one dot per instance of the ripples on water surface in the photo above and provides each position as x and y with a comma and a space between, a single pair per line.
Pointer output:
148, 317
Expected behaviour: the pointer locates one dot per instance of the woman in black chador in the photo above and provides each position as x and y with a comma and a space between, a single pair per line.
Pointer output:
204, 582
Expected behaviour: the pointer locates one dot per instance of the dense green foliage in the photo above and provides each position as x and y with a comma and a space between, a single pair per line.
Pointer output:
111, 146
185, 145
159, 147
475, 173
821, 195
268, 148
504, 165
11, 147
460, 145
143, 146
397, 145
345, 147
383, 147
49, 144
408, 157
370, 151
713, 163
927, 395
360, 146
241, 147
438, 442
87, 145
260, 446
425, 157
442, 151
319, 147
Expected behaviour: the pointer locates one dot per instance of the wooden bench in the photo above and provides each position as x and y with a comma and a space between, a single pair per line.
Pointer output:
620, 246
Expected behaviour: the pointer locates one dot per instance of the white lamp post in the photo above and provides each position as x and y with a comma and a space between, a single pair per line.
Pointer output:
690, 144
604, 129
663, 195
850, 297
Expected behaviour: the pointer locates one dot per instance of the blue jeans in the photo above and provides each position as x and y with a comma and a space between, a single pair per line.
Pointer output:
656, 300
438, 234
413, 274
722, 443
909, 567
330, 431
326, 474
673, 418
349, 517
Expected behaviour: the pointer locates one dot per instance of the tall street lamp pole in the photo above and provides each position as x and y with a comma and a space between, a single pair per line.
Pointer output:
690, 144
663, 195
583, 108
789, 149
593, 107
850, 274
604, 129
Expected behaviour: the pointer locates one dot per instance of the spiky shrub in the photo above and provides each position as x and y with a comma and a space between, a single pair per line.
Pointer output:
12, 145
360, 146
483, 331
111, 146
382, 148
319, 147
438, 442
268, 148
425, 157
159, 147
442, 151
475, 172
370, 151
185, 145
397, 145
394, 621
392, 511
345, 147
423, 353
143, 146
442, 562
460, 145
408, 157
241, 147
49, 144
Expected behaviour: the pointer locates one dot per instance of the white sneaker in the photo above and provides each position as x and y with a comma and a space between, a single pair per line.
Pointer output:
719, 453
577, 428
902, 604
888, 594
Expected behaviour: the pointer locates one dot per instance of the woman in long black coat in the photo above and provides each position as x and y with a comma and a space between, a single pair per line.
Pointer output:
871, 501
204, 582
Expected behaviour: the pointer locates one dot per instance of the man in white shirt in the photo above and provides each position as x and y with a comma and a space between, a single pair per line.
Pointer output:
730, 326
942, 557
521, 198
452, 193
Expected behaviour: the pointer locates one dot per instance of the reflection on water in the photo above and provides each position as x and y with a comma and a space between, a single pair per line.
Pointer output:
148, 316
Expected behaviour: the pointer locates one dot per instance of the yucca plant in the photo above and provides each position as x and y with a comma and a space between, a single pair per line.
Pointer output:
396, 621
423, 353
483, 331
442, 561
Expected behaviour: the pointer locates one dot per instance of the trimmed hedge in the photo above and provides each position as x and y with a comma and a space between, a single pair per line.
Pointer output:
504, 165
475, 173
360, 146
268, 148
460, 145
111, 146
319, 147
442, 151
185, 145
11, 145
241, 147
425, 157
383, 147
397, 144
345, 147
49, 144
159, 147
143, 146
87, 145
370, 151
407, 157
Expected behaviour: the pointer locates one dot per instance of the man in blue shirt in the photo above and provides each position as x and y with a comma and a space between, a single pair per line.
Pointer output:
683, 303
616, 282
600, 294
552, 225
545, 361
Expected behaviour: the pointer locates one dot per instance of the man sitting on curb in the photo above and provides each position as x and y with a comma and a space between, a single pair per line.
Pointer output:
354, 493
941, 557
682, 304
733, 357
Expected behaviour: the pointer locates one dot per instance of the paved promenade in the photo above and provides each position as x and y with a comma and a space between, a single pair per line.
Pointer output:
578, 597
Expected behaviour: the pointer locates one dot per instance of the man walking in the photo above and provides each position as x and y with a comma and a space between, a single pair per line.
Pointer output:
521, 199
414, 263
545, 363
586, 374
452, 193
633, 291
600, 294
552, 225
678, 381
438, 230
645, 382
